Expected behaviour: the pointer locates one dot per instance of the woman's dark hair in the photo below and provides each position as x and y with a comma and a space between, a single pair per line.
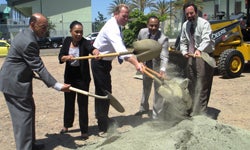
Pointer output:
186, 5
73, 23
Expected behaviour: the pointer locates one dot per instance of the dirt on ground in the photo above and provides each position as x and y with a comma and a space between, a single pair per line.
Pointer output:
226, 127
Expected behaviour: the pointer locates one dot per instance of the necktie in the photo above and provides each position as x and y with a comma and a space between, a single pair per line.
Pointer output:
192, 29
191, 45
153, 37
119, 59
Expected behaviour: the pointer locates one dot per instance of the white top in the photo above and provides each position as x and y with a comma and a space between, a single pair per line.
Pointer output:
109, 40
74, 51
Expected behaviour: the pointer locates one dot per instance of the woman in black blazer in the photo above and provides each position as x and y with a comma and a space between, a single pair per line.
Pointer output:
77, 74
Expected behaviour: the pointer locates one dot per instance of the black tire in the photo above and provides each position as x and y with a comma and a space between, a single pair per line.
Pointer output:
231, 63
54, 45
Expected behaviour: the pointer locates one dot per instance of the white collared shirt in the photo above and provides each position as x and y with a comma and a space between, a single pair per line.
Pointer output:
202, 36
109, 40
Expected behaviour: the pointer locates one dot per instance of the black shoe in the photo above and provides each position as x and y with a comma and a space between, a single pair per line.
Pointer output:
140, 113
38, 146
84, 136
64, 130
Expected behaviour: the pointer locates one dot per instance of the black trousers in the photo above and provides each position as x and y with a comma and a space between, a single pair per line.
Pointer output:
102, 79
69, 106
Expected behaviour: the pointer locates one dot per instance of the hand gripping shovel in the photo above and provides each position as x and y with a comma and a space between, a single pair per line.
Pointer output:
113, 101
144, 50
210, 60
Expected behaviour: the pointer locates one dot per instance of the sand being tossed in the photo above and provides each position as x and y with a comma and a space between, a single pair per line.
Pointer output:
197, 133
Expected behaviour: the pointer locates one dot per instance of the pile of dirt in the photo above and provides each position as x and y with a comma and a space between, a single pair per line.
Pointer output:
199, 132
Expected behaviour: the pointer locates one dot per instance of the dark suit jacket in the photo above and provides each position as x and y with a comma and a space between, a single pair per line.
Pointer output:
85, 49
23, 59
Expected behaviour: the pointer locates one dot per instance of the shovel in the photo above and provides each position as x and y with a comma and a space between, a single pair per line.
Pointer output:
162, 90
166, 88
144, 50
113, 101
210, 60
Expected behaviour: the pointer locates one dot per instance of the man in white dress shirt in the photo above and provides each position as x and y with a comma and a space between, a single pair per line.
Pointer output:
109, 40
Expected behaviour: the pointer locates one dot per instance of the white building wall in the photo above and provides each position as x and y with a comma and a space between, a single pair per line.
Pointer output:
63, 12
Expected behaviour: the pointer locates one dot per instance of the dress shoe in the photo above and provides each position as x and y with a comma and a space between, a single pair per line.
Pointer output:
140, 113
38, 147
84, 136
64, 130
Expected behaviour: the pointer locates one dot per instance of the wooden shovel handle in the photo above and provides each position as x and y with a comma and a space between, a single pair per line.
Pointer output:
87, 93
152, 76
148, 73
102, 55
152, 71
192, 55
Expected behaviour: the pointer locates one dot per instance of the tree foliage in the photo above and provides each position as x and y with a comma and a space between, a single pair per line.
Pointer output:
99, 22
161, 7
141, 4
51, 27
137, 21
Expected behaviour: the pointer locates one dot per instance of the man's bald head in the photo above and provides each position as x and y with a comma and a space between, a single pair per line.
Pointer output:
39, 24
37, 16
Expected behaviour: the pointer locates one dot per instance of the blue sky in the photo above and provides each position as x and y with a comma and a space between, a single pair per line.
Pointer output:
101, 6
3, 2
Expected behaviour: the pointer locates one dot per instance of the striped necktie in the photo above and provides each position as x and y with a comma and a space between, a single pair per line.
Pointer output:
192, 43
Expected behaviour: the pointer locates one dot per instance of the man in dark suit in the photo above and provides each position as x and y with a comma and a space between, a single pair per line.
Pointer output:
16, 77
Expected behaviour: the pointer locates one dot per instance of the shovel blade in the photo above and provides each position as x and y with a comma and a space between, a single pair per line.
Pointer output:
169, 91
114, 102
164, 92
146, 49
210, 60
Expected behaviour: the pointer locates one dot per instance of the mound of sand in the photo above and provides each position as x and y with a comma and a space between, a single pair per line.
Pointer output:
199, 132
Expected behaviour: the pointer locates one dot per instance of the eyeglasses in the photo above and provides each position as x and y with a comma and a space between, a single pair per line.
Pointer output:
44, 27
